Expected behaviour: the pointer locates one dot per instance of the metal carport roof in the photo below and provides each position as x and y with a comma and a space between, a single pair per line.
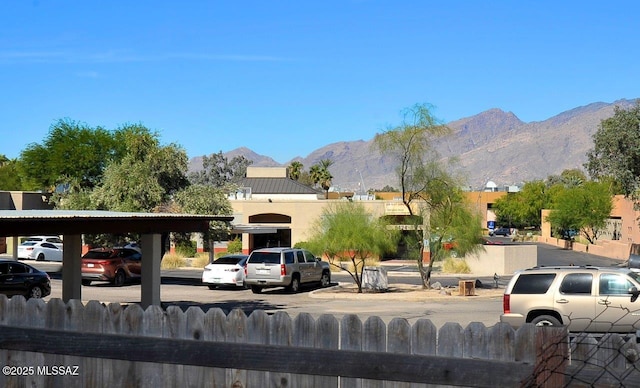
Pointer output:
73, 223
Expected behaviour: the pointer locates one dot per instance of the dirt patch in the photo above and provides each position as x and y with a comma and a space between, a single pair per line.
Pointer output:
403, 291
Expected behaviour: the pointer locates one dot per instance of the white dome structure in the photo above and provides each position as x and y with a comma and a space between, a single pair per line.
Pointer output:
491, 186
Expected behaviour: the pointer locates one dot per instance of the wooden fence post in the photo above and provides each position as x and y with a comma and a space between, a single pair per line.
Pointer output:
552, 357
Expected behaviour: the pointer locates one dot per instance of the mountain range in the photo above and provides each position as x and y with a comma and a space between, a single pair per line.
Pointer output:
491, 146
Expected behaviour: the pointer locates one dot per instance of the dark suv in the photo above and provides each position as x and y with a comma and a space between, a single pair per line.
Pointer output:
584, 298
115, 265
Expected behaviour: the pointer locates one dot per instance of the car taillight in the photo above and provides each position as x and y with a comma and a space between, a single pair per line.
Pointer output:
506, 303
283, 270
30, 248
245, 270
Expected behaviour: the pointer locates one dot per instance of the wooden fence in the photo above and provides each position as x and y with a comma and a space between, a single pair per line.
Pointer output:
93, 345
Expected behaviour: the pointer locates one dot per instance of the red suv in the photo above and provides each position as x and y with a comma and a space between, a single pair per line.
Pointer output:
114, 265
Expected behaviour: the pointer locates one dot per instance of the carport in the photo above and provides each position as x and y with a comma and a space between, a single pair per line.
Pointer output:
72, 224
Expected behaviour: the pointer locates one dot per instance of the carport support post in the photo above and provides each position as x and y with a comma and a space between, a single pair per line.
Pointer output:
151, 259
72, 267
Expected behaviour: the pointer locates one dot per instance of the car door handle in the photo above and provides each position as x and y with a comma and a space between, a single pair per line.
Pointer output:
563, 301
604, 302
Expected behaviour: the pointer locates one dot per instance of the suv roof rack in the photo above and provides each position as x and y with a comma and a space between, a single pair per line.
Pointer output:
587, 266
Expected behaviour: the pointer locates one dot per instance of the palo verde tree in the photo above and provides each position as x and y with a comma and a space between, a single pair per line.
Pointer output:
616, 152
347, 232
424, 179
449, 216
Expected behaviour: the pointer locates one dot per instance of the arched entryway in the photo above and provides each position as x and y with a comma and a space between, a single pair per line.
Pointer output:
277, 235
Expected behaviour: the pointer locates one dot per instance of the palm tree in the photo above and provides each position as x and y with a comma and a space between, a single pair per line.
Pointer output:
295, 169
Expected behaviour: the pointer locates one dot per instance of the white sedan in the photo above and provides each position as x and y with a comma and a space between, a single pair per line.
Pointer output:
40, 251
225, 271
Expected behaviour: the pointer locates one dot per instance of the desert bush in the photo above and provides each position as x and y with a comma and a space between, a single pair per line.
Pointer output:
455, 265
186, 248
234, 246
172, 261
200, 260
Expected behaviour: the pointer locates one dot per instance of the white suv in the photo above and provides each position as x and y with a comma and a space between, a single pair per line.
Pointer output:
284, 267
584, 298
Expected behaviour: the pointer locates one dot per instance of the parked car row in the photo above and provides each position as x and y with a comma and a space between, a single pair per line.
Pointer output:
267, 268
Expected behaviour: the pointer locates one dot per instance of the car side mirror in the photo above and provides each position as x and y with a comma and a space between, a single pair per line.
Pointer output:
634, 293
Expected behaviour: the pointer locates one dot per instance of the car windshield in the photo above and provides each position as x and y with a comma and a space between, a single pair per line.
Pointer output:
228, 260
29, 243
634, 275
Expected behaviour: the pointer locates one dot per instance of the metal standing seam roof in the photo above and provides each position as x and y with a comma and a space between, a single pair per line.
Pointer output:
277, 186
33, 222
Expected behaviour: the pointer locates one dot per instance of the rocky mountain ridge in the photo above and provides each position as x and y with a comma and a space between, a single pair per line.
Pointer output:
492, 145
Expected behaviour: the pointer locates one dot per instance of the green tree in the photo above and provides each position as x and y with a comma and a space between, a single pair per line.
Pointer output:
410, 144
583, 208
347, 232
568, 178
11, 178
450, 217
147, 176
70, 151
616, 152
206, 199
320, 175
425, 180
219, 171
295, 169
524, 208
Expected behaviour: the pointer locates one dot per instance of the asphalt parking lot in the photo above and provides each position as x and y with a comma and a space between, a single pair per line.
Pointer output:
182, 288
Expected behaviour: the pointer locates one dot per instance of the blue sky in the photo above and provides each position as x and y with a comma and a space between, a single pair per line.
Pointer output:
284, 78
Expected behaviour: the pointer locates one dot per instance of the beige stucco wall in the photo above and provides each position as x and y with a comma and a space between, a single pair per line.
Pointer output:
303, 213
502, 259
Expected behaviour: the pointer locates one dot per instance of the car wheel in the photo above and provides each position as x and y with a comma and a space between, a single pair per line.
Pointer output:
295, 284
256, 289
325, 280
211, 287
119, 279
35, 292
40, 257
546, 320
86, 282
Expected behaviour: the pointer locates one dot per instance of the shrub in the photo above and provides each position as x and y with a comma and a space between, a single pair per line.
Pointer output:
234, 246
172, 261
455, 265
186, 248
200, 260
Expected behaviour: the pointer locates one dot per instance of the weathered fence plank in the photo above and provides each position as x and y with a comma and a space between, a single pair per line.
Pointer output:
304, 335
280, 333
258, 330
175, 326
327, 337
451, 340
216, 329
351, 339
194, 376
153, 326
235, 331
93, 321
